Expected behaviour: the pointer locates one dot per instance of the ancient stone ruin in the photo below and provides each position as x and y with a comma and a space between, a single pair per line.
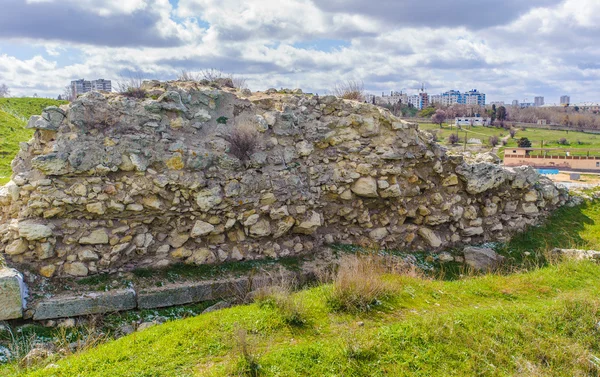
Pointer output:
111, 183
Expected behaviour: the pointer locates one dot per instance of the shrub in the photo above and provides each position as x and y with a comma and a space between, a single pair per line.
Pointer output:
563, 141
493, 140
132, 86
358, 285
524, 143
512, 132
242, 142
453, 139
290, 308
352, 90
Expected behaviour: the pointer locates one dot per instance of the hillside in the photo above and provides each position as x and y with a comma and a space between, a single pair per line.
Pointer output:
577, 142
14, 113
536, 322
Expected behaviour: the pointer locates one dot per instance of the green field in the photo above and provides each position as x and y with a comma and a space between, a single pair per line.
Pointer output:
14, 113
578, 142
540, 321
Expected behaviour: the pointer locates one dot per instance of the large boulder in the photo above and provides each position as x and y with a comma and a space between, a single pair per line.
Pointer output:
482, 258
11, 294
481, 177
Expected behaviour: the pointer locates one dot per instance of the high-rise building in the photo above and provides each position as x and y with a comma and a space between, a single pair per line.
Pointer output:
515, 102
565, 100
538, 101
423, 100
102, 85
82, 86
474, 97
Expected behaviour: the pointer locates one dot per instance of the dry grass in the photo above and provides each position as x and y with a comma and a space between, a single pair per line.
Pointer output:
132, 86
352, 90
214, 76
358, 285
247, 364
290, 307
243, 141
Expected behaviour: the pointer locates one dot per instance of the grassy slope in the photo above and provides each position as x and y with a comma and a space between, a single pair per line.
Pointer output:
13, 111
542, 322
550, 137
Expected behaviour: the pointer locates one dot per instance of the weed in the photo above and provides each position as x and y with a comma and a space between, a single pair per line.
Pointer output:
290, 307
247, 364
222, 120
352, 90
242, 142
358, 285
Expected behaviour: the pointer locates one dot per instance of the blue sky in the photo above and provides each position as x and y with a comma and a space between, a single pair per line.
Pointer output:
510, 50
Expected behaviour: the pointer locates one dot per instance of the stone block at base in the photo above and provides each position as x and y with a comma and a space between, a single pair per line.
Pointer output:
176, 294
93, 303
11, 305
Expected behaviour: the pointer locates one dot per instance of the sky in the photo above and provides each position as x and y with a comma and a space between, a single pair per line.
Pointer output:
513, 49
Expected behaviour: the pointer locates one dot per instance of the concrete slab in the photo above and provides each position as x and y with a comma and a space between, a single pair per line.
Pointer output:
11, 294
174, 294
92, 303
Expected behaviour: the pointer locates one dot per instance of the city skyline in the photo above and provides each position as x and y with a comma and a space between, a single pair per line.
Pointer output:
514, 50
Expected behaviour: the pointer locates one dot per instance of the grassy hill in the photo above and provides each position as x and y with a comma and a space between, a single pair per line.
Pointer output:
539, 321
578, 142
14, 113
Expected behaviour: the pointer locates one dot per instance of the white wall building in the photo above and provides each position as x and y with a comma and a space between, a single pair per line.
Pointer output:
471, 121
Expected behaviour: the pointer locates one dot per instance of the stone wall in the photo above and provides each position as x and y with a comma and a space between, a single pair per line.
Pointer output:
112, 183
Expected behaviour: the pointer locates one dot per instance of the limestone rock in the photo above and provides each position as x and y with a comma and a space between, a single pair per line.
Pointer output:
11, 284
482, 258
96, 237
209, 198
283, 227
32, 231
87, 255
76, 269
177, 239
17, 247
261, 228
310, 225
304, 148
201, 228
481, 177
378, 234
365, 186
48, 270
430, 237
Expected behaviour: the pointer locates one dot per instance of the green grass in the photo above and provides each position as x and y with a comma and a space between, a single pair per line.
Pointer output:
535, 135
537, 323
13, 115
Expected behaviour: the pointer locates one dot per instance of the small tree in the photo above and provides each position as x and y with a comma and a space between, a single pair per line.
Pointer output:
453, 139
439, 117
512, 133
4, 91
524, 143
493, 140
501, 114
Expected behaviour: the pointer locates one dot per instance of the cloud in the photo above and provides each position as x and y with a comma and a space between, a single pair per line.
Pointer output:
472, 14
114, 24
512, 50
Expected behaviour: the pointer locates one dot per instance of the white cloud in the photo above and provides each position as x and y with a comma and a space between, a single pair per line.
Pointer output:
102, 7
537, 48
